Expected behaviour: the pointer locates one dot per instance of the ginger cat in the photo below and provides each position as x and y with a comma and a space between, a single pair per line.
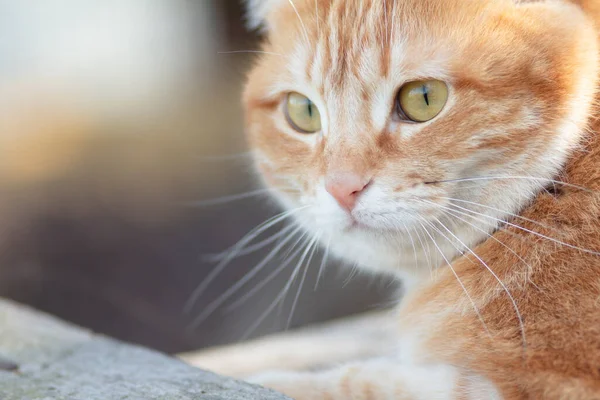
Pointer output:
452, 143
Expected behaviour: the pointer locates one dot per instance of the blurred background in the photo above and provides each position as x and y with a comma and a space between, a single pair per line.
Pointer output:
116, 116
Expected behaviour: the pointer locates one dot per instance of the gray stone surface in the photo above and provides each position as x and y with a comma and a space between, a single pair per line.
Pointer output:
60, 361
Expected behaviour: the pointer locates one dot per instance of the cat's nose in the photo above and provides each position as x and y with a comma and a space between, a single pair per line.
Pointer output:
346, 187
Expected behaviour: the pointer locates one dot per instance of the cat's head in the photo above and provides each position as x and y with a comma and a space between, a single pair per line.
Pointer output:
388, 121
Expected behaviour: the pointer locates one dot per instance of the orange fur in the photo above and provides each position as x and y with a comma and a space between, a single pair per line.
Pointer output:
516, 73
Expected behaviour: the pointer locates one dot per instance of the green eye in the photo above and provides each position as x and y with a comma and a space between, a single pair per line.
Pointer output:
302, 114
422, 101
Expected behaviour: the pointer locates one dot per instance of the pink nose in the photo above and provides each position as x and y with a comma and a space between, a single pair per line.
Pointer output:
345, 187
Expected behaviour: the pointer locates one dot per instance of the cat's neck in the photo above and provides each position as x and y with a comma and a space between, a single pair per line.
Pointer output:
590, 7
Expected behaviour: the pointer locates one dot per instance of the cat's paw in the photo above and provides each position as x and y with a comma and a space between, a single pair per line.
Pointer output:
297, 385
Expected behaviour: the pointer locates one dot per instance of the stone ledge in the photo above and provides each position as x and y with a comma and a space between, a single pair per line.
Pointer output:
59, 361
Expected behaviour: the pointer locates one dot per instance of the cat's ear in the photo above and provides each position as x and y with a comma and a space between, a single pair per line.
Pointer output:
257, 12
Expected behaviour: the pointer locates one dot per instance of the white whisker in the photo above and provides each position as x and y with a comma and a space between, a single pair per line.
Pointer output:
308, 243
507, 177
314, 246
527, 230
272, 306
215, 304
239, 246
352, 275
456, 276
228, 199
250, 249
498, 210
292, 247
412, 242
242, 300
323, 263
427, 252
508, 293
529, 268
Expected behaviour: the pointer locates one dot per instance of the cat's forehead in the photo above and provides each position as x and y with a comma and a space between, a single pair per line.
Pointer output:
351, 57
355, 62
363, 41
338, 39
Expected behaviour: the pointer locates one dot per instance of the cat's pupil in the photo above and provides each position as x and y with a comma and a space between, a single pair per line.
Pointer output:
426, 94
310, 108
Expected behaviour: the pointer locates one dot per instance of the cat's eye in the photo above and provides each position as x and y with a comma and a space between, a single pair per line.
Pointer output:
422, 101
302, 114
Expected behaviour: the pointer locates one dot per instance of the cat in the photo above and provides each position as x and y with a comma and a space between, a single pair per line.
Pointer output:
452, 143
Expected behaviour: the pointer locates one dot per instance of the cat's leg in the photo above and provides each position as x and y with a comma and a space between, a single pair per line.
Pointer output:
380, 379
351, 339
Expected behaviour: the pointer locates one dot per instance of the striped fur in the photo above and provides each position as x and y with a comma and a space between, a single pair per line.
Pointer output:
483, 312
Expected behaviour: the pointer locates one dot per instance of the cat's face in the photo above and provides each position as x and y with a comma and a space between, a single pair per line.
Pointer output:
381, 118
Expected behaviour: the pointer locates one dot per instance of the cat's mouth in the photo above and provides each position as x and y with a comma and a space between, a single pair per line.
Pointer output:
355, 224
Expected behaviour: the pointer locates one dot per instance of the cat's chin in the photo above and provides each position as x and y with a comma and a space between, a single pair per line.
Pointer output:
372, 242
374, 249
359, 226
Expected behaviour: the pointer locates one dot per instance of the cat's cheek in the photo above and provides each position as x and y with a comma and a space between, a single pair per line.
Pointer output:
267, 174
